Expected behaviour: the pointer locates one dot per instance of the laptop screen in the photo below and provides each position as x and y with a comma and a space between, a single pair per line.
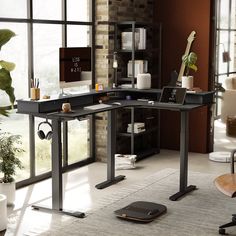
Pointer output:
173, 95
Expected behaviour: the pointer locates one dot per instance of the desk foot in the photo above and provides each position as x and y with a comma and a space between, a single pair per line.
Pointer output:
180, 194
108, 183
70, 213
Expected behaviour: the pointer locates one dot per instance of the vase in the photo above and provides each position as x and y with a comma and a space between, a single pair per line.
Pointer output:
9, 190
187, 82
144, 81
3, 212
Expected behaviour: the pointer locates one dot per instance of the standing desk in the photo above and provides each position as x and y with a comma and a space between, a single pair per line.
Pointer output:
51, 109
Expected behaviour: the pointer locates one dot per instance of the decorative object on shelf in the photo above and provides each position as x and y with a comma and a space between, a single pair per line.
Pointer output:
3, 212
66, 107
115, 66
5, 69
10, 148
190, 39
190, 63
115, 62
144, 81
99, 87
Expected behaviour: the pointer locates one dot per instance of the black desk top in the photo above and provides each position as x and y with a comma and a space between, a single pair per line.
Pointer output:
81, 112
51, 108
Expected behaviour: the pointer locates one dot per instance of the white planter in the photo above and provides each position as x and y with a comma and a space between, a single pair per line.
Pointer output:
3, 212
9, 190
187, 82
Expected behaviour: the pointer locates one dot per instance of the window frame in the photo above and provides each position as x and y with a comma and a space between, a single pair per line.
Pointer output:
64, 23
218, 31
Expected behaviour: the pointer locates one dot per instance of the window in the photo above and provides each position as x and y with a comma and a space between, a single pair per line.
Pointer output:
225, 43
42, 27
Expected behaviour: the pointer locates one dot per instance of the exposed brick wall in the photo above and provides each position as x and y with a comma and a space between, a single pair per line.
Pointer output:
112, 11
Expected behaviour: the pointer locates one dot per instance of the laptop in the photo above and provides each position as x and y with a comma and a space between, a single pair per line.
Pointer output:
173, 95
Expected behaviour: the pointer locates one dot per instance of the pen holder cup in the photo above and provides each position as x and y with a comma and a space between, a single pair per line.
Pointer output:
35, 93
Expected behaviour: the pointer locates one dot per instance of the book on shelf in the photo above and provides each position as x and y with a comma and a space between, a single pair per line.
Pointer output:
140, 39
138, 127
140, 66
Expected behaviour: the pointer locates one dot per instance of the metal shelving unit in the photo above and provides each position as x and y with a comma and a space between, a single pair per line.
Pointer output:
132, 55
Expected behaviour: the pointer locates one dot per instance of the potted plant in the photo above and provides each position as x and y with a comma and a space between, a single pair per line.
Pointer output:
5, 69
190, 64
10, 148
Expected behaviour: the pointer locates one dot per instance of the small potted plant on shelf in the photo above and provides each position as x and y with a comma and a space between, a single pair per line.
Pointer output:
10, 149
190, 64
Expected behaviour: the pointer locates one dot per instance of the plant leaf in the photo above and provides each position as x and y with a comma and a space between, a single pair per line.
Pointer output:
7, 65
4, 112
5, 84
5, 36
192, 57
193, 67
190, 61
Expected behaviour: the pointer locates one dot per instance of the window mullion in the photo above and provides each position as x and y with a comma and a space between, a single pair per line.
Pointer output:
30, 76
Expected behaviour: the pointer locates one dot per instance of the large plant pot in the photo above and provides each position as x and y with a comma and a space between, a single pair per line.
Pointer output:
3, 212
187, 82
9, 190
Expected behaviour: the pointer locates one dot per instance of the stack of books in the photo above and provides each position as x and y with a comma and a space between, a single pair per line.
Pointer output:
124, 162
138, 127
140, 67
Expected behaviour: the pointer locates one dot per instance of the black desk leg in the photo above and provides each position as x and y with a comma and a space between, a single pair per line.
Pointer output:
111, 148
57, 190
184, 140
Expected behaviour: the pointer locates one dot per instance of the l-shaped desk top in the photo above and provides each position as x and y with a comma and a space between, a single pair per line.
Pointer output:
51, 109
81, 112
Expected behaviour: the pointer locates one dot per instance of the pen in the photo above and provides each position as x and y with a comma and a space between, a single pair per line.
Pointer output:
37, 86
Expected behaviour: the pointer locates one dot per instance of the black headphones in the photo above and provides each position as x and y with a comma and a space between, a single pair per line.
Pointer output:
41, 134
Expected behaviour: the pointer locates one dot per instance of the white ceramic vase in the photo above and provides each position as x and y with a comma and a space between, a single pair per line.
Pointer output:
9, 190
187, 82
3, 212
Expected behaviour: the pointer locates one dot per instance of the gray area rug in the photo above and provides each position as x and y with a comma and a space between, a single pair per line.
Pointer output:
199, 213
